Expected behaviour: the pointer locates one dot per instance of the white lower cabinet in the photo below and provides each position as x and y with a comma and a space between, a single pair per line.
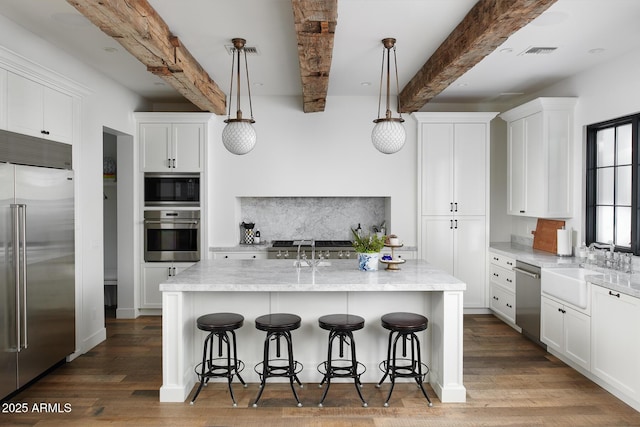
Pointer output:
615, 341
502, 302
502, 287
458, 246
565, 330
154, 273
240, 255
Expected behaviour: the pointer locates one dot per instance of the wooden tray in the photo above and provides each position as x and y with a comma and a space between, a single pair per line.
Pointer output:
545, 237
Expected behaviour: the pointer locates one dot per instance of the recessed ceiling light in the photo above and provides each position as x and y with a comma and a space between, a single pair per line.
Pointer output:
463, 84
258, 84
365, 83
506, 50
596, 51
110, 49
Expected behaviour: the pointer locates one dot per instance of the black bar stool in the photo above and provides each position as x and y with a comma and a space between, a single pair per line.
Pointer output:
221, 326
278, 325
404, 326
341, 327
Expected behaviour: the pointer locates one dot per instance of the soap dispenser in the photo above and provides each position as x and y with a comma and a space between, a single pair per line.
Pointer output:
582, 252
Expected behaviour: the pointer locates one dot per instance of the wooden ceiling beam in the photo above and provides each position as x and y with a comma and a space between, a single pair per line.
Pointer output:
144, 34
487, 25
315, 23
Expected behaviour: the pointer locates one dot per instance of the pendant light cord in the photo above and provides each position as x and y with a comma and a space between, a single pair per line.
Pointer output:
395, 60
246, 68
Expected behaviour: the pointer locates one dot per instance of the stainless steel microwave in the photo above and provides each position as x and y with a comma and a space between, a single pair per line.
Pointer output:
172, 189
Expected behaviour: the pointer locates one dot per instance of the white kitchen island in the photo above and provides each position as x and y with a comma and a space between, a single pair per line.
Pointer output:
256, 287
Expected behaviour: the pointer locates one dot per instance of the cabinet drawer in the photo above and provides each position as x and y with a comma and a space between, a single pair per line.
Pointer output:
504, 277
502, 261
503, 302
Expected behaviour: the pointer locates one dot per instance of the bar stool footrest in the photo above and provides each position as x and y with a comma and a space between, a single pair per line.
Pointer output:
278, 368
406, 370
219, 371
343, 370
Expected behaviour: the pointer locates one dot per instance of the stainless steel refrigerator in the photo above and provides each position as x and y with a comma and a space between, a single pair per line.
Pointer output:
37, 290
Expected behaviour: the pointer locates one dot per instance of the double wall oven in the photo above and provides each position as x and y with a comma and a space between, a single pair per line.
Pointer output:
172, 235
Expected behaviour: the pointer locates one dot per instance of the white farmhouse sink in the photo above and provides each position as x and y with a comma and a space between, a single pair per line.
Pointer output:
567, 284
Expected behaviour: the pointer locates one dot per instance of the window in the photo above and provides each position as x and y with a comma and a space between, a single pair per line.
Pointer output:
612, 183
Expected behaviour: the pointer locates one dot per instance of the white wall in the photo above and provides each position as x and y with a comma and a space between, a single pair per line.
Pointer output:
314, 154
606, 92
106, 104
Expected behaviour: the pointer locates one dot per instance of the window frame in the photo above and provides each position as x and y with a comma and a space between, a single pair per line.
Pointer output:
591, 184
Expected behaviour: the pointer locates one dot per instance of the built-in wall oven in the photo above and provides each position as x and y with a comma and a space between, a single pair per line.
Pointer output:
172, 189
172, 235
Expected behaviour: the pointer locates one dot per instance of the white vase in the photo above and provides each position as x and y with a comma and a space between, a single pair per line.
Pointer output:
368, 261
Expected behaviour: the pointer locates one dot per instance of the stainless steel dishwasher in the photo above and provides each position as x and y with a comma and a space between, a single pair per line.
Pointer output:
528, 300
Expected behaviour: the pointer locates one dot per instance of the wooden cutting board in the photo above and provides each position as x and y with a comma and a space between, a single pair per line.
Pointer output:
545, 237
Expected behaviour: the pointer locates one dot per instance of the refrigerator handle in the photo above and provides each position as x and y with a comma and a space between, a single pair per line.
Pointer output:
15, 218
23, 276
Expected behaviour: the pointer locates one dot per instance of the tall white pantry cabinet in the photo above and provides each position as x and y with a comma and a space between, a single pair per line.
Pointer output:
453, 197
170, 143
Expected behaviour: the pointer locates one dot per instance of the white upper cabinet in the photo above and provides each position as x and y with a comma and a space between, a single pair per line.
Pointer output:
172, 147
539, 148
454, 168
38, 110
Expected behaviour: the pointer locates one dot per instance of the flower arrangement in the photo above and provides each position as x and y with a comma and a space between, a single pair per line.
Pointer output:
367, 244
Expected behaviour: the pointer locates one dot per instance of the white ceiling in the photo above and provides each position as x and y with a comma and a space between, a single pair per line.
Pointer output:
578, 28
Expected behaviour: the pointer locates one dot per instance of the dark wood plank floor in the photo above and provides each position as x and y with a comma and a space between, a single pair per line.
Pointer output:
509, 380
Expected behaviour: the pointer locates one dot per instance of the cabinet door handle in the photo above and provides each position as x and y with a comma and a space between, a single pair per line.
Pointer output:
509, 280
169, 163
456, 207
496, 258
562, 311
496, 274
456, 221
521, 211
617, 295
509, 305
44, 132
509, 263
496, 298
451, 224
451, 207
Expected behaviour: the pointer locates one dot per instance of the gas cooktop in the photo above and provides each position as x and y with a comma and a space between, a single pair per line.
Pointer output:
307, 243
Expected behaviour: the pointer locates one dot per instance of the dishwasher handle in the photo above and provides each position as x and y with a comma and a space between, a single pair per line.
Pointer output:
526, 273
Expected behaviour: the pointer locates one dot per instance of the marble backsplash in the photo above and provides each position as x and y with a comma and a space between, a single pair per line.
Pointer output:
321, 218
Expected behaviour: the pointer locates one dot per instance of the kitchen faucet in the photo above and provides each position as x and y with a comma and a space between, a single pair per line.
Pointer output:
313, 261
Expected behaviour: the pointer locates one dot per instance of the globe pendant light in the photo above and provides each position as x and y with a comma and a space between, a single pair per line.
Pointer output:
238, 136
388, 134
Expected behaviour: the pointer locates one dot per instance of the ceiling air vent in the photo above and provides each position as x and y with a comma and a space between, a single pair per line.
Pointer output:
539, 50
251, 50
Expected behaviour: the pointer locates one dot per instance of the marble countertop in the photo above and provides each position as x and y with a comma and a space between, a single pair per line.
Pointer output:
532, 256
282, 276
624, 283
266, 245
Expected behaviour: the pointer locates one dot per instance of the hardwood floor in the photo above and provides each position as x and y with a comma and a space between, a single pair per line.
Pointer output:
509, 380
